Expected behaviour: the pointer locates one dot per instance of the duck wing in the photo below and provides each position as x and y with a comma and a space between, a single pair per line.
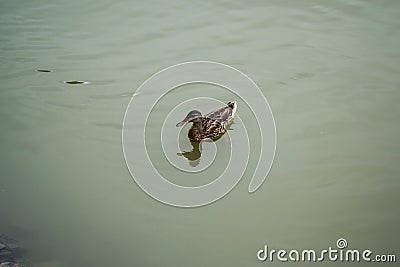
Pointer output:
222, 115
212, 128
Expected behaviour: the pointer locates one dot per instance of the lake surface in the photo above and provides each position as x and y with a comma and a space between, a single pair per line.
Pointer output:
330, 72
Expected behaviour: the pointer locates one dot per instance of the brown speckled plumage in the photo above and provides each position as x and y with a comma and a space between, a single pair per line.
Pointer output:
211, 125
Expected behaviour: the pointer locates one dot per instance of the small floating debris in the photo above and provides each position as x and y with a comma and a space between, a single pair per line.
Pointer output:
43, 70
76, 82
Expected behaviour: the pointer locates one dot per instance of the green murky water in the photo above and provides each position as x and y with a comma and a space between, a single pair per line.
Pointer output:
330, 72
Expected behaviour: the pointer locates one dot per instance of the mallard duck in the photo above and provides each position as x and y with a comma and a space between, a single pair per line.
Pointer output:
211, 125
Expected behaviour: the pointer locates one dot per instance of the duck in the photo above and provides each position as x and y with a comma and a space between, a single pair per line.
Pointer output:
211, 125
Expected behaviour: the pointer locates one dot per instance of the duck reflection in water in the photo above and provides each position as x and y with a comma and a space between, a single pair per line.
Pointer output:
194, 155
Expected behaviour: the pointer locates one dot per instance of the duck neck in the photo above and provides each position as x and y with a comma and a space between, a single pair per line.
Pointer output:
197, 125
195, 131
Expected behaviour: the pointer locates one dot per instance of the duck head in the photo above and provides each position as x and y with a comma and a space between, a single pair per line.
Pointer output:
193, 116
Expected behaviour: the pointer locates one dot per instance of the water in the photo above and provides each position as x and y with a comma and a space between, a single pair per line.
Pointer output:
329, 71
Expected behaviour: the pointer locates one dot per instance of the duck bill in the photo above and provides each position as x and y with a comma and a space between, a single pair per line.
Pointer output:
184, 122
